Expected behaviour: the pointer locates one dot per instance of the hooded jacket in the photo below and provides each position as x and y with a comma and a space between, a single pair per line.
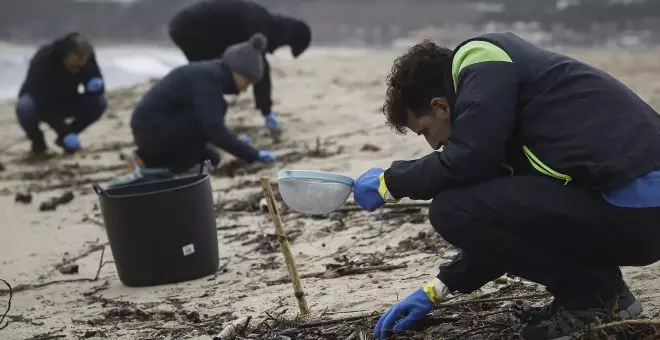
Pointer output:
205, 29
536, 113
51, 85
186, 107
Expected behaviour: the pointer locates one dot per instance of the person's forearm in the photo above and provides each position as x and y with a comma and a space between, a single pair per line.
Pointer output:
416, 179
228, 142
263, 92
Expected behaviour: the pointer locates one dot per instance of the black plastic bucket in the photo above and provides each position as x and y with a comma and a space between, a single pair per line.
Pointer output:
162, 231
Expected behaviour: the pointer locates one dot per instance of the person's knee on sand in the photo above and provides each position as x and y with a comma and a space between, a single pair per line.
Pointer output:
28, 117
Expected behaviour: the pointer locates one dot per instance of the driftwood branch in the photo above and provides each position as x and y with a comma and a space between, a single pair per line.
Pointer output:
285, 246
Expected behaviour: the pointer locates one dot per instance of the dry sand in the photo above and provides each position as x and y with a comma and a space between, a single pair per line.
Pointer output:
334, 96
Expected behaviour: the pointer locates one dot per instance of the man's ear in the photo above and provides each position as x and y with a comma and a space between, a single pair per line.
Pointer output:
440, 104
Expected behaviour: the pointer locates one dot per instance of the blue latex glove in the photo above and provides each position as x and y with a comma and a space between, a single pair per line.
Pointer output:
245, 139
403, 315
71, 141
266, 156
95, 85
366, 189
272, 124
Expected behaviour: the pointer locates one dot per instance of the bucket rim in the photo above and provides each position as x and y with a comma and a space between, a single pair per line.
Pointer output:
108, 192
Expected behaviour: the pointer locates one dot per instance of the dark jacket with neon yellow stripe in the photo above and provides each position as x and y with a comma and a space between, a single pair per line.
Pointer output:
538, 112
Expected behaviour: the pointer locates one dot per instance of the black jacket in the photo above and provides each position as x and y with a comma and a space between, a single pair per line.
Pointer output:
205, 29
217, 24
54, 88
188, 104
540, 113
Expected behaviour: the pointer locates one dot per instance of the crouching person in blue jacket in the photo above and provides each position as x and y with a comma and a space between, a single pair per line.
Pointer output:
63, 81
181, 118
549, 170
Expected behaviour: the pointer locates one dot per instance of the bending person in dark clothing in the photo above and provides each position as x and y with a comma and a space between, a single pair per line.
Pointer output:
185, 111
205, 29
63, 81
550, 171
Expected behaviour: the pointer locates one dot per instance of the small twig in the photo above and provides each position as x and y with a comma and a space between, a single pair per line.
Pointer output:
224, 266
341, 272
349, 207
8, 306
507, 298
346, 312
25, 287
650, 322
94, 220
48, 336
230, 227
85, 253
98, 270
337, 321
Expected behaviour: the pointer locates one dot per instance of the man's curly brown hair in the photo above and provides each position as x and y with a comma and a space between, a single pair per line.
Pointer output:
416, 78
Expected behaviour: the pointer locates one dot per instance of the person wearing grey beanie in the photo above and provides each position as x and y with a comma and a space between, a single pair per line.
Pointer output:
180, 121
246, 58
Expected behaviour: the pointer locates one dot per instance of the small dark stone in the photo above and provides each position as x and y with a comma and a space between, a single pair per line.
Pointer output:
2, 167
23, 197
69, 269
93, 334
66, 197
48, 206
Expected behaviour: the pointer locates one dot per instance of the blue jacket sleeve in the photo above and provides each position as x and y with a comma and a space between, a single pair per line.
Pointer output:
209, 110
484, 120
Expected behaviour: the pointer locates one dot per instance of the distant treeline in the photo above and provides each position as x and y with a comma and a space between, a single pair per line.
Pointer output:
333, 21
584, 15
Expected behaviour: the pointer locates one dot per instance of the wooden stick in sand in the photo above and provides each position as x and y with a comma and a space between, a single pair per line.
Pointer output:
284, 244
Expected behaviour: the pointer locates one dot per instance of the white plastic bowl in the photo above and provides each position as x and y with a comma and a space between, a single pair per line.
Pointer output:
314, 192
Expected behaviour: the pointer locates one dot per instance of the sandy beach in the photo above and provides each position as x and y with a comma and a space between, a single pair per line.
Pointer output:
329, 103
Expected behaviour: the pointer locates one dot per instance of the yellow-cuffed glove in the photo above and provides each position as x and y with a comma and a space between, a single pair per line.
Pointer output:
370, 191
404, 314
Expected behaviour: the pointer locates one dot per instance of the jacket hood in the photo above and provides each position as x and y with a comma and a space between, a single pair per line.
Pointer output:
288, 31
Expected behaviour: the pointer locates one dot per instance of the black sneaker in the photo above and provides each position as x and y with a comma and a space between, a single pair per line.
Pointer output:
535, 315
565, 322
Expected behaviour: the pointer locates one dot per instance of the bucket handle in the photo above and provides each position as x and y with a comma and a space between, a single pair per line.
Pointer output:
99, 190
205, 169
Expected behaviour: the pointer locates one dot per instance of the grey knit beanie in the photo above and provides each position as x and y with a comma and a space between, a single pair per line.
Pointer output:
246, 58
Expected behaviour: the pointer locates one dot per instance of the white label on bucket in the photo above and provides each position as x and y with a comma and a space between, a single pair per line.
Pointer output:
188, 249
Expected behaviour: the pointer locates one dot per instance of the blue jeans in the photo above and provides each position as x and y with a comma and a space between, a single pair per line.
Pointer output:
85, 112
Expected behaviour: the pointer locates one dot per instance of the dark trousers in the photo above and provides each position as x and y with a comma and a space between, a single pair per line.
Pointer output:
202, 46
171, 146
84, 112
568, 239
